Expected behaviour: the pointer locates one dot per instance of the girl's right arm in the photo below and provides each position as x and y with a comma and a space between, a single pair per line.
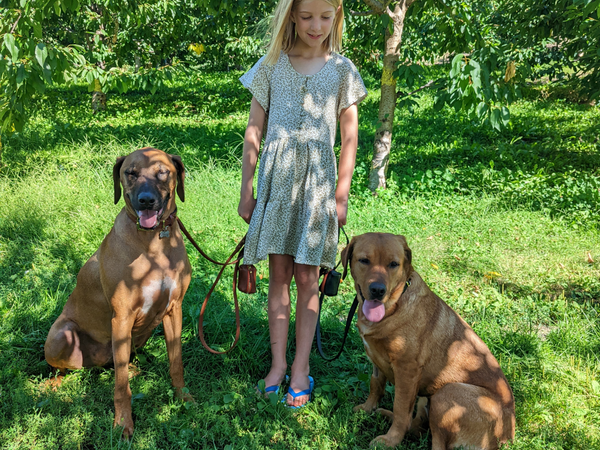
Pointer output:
252, 139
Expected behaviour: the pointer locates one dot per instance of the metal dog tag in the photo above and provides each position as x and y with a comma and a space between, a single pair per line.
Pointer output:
164, 233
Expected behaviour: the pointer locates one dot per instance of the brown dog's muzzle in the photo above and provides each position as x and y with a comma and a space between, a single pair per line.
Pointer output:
148, 204
377, 291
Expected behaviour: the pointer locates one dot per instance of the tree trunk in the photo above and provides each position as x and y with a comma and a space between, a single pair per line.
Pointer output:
98, 98
387, 103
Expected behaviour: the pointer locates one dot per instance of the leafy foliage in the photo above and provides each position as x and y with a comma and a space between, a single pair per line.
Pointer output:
558, 39
28, 62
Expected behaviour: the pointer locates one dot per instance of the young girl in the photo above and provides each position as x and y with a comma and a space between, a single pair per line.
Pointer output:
304, 87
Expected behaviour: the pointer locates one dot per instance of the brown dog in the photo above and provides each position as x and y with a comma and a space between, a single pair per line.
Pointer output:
419, 344
135, 280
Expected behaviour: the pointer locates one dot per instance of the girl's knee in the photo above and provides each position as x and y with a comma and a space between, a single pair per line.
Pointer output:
306, 276
281, 269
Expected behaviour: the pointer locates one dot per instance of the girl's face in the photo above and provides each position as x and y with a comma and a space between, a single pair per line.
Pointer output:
314, 19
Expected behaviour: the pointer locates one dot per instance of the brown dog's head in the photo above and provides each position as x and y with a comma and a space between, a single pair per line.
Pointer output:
150, 178
380, 264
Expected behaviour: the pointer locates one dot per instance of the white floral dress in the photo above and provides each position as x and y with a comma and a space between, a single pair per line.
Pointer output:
295, 211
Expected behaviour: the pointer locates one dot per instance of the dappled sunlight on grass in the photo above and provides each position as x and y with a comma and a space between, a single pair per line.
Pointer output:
496, 241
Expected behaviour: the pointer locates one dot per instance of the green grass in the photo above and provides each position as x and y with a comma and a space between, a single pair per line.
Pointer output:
500, 225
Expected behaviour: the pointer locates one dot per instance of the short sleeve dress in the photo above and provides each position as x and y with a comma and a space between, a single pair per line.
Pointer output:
295, 211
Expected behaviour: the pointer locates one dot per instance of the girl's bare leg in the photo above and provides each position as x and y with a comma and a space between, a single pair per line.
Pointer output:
307, 308
281, 269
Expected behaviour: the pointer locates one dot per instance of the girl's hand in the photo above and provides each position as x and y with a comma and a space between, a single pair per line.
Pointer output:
246, 208
341, 205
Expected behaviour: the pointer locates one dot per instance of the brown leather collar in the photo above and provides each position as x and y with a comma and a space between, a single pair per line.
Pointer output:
162, 226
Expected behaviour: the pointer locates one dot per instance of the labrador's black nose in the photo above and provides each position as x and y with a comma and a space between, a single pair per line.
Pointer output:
377, 291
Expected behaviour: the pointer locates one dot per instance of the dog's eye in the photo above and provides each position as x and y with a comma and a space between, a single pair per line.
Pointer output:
163, 174
394, 264
364, 261
131, 173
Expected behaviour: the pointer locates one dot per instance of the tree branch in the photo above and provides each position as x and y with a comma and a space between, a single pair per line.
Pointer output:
376, 6
363, 13
425, 86
14, 27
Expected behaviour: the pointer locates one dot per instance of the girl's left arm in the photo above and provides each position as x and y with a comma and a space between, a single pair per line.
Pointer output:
349, 135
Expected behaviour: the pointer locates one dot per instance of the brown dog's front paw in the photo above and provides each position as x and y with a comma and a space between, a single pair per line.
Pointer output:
385, 440
385, 413
184, 394
126, 423
366, 406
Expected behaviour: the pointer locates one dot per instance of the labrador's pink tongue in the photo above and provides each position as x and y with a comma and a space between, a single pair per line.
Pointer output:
373, 310
148, 218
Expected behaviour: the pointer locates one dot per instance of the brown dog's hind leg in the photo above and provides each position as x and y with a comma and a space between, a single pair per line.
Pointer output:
377, 389
465, 415
63, 346
67, 347
420, 422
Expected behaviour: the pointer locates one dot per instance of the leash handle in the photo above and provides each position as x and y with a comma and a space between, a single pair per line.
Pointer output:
347, 329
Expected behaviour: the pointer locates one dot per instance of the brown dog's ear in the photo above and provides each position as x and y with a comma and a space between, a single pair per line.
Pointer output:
407, 250
180, 176
117, 177
347, 257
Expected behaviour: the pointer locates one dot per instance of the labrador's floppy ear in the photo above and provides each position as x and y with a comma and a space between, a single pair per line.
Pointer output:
407, 250
347, 257
117, 177
180, 176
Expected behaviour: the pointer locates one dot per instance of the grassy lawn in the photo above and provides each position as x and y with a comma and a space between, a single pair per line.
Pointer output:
502, 226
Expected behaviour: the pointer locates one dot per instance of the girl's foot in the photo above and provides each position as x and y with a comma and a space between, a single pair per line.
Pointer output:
273, 380
299, 384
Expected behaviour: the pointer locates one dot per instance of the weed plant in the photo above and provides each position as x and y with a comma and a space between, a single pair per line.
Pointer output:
503, 226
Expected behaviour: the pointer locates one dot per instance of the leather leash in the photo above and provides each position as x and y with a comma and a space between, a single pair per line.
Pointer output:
348, 319
239, 251
346, 330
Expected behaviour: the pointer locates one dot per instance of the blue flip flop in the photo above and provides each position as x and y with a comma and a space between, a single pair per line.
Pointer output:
295, 394
268, 389
271, 389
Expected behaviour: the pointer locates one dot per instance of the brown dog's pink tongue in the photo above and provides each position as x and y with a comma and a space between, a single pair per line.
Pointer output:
373, 310
148, 218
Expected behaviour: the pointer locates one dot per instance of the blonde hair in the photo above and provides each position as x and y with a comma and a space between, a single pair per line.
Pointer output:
283, 30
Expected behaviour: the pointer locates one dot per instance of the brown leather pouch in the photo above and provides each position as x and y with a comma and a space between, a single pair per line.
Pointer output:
247, 279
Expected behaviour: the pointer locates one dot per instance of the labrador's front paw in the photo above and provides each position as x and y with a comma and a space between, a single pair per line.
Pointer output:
386, 440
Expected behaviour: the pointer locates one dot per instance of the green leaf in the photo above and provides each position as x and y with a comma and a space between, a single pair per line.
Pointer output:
21, 74
41, 53
482, 110
495, 118
228, 398
37, 30
273, 398
456, 65
9, 42
505, 114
